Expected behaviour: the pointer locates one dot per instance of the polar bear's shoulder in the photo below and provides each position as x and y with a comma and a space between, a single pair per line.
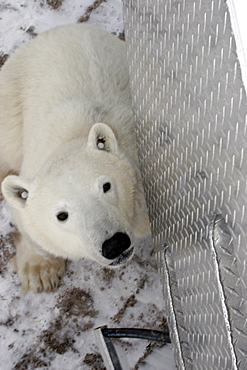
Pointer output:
68, 41
62, 82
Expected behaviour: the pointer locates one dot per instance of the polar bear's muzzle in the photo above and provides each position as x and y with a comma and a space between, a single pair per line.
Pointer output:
123, 258
117, 248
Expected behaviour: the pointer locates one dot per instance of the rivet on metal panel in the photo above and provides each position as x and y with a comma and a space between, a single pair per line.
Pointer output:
178, 12
221, 57
231, 107
218, 89
207, 71
216, 34
204, 22
211, 100
230, 47
233, 163
212, 10
235, 72
173, 22
219, 5
236, 132
209, 44
243, 213
213, 152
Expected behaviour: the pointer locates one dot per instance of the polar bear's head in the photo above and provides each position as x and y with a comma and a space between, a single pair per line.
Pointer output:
85, 202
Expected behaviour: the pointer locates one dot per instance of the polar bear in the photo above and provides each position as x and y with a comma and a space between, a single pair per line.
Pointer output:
67, 134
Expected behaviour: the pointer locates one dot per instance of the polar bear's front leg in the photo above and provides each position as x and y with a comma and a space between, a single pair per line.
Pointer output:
37, 272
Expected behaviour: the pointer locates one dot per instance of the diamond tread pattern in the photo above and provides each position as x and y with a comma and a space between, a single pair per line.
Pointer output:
190, 109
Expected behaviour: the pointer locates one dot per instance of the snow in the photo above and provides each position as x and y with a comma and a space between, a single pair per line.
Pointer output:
17, 16
55, 330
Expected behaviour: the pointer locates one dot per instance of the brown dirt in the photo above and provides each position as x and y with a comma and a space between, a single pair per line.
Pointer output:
75, 307
56, 344
3, 58
108, 274
149, 349
7, 251
77, 302
29, 361
85, 17
31, 31
121, 36
55, 4
130, 302
94, 361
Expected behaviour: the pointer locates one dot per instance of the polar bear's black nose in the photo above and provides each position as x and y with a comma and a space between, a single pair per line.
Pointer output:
116, 245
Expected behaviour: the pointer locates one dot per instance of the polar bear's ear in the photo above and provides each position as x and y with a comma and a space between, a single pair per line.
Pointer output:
102, 137
15, 191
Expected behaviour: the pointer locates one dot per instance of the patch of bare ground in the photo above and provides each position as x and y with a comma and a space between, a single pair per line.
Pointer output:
85, 17
57, 344
149, 349
108, 274
121, 36
55, 4
76, 313
31, 31
29, 361
3, 58
7, 251
94, 361
77, 302
130, 302
50, 342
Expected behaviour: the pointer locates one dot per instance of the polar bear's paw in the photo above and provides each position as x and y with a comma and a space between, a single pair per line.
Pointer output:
42, 275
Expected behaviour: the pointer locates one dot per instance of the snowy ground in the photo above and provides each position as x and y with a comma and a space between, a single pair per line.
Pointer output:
55, 330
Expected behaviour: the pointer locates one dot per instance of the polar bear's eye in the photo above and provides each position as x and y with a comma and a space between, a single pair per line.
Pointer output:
62, 216
106, 187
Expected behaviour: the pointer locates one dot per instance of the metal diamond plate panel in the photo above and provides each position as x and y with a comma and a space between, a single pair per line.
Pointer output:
190, 107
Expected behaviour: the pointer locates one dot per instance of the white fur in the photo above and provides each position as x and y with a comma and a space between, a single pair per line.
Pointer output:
59, 94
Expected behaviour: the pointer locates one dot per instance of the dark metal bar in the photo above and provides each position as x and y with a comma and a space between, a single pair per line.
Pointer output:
148, 334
